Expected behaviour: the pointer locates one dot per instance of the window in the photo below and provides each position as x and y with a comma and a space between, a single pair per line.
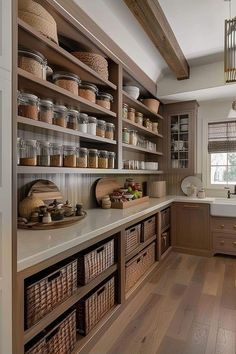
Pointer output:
222, 151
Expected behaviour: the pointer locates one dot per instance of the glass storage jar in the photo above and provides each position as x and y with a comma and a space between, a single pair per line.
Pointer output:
103, 159
133, 137
104, 100
83, 122
46, 111
125, 111
110, 131
33, 62
82, 157
111, 159
19, 147
67, 81
101, 128
60, 116
28, 153
69, 156
125, 135
131, 114
43, 153
72, 119
147, 123
56, 155
28, 105
139, 118
92, 125
155, 127
93, 158
88, 91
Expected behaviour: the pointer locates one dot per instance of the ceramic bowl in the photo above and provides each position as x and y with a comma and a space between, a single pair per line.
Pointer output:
133, 91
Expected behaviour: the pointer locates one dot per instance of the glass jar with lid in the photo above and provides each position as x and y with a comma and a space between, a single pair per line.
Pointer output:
93, 158
33, 62
125, 135
92, 125
28, 153
104, 100
131, 114
46, 111
72, 119
19, 147
139, 118
88, 91
83, 122
111, 159
69, 156
28, 105
110, 131
125, 111
103, 159
60, 116
133, 137
101, 128
43, 153
147, 123
67, 81
82, 157
56, 155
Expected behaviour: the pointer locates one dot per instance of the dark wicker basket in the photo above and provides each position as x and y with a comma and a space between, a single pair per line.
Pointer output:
148, 229
138, 265
61, 339
93, 308
44, 295
165, 218
95, 262
132, 238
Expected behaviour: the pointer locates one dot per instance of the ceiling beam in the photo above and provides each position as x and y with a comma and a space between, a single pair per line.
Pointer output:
152, 18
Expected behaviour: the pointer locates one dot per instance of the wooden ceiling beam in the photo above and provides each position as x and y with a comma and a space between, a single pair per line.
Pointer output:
152, 18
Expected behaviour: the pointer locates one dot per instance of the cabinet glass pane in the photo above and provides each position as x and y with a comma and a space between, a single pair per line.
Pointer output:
179, 141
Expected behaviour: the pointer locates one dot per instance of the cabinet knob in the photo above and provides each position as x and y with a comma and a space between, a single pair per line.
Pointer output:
222, 242
222, 226
234, 243
234, 226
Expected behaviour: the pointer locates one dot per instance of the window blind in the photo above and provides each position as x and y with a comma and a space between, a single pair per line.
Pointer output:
222, 137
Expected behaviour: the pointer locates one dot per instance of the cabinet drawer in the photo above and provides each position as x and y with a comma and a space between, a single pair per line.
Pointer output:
224, 224
223, 243
165, 218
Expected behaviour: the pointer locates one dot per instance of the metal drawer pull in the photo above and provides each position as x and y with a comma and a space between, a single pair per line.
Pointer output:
191, 206
222, 226
222, 242
234, 226
234, 243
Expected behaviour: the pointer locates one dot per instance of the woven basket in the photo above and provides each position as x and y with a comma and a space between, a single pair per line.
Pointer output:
148, 229
132, 238
95, 262
44, 295
92, 309
138, 265
61, 339
95, 61
36, 16
165, 218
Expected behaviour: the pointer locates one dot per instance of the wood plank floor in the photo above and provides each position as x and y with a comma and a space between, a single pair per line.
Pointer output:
187, 308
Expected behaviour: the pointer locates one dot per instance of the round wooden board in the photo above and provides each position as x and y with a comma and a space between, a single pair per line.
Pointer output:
45, 190
105, 186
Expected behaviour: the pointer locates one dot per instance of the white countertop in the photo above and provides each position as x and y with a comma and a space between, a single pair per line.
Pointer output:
37, 246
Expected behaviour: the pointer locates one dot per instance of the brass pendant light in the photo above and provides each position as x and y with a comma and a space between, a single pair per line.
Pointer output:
230, 48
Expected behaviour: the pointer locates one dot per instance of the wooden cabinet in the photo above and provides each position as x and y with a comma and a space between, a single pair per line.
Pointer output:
223, 231
190, 228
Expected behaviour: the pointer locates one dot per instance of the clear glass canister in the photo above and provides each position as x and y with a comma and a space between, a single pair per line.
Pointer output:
46, 111
28, 153
33, 62
133, 137
147, 123
60, 116
88, 91
131, 114
139, 118
93, 158
67, 81
125, 135
110, 131
82, 157
111, 159
28, 105
92, 125
104, 100
56, 155
125, 111
101, 128
83, 122
72, 119
69, 153
43, 153
19, 147
103, 159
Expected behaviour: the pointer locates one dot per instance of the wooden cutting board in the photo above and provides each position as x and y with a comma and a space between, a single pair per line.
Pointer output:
105, 186
45, 190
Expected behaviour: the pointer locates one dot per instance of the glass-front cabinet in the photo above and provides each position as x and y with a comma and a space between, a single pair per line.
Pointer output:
179, 137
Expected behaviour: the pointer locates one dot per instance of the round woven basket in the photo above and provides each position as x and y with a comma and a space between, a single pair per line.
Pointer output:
95, 61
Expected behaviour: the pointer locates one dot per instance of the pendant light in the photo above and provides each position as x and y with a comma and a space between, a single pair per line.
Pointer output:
230, 47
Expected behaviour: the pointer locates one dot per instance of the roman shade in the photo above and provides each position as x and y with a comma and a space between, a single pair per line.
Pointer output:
222, 137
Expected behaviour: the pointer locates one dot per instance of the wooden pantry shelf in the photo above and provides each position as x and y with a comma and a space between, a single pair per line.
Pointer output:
36, 126
140, 107
46, 89
64, 306
137, 148
140, 248
56, 55
140, 128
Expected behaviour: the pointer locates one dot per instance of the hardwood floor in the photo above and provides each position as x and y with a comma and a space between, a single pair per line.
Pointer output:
187, 308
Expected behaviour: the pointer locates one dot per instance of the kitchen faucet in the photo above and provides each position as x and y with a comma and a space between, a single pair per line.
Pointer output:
229, 193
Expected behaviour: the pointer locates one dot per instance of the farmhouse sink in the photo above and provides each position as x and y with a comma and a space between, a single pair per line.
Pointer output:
224, 207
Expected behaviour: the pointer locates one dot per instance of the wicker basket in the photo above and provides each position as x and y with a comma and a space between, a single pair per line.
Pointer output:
95, 262
95, 61
45, 294
165, 218
132, 238
148, 229
36, 16
61, 339
138, 265
92, 309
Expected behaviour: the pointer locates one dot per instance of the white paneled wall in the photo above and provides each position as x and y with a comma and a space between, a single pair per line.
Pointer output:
5, 179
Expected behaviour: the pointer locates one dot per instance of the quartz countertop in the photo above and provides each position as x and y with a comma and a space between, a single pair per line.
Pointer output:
37, 246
